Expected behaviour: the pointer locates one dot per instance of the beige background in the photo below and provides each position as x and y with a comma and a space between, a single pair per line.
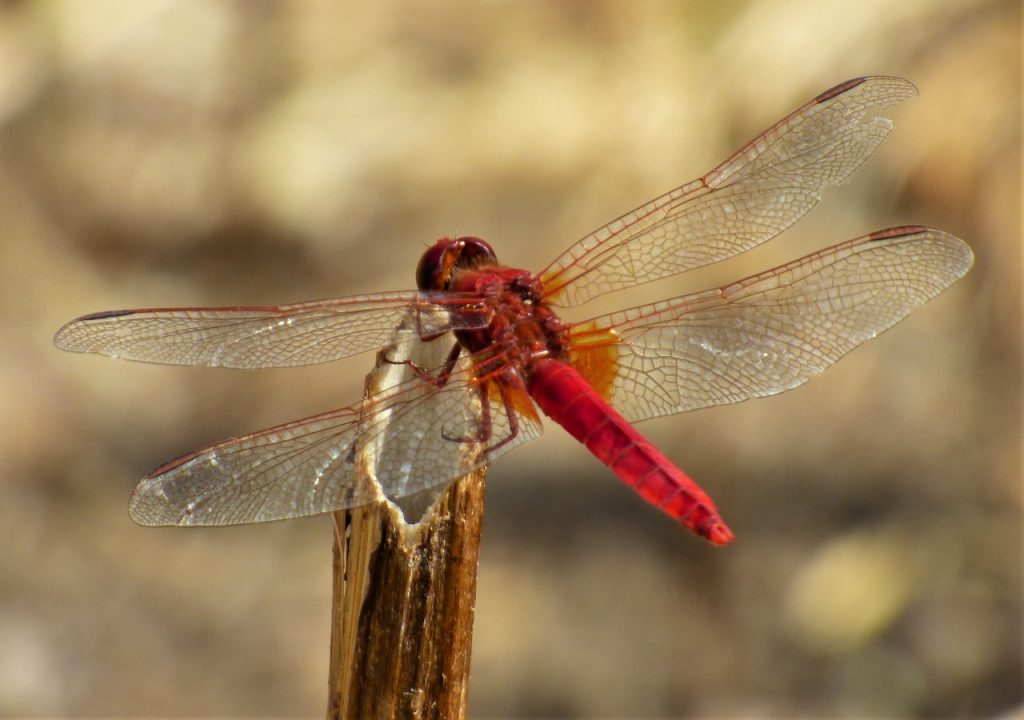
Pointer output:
193, 152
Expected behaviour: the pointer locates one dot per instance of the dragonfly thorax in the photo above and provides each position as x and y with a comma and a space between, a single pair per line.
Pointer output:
523, 328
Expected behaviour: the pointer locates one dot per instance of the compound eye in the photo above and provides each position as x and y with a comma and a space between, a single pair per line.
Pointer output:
442, 259
435, 265
474, 252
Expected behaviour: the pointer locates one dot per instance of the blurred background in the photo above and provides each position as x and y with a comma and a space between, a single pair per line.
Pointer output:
159, 153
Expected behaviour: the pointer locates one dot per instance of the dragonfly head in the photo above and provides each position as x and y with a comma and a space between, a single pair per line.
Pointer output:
441, 261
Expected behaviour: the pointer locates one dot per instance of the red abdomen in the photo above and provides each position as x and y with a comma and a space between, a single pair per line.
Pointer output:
568, 399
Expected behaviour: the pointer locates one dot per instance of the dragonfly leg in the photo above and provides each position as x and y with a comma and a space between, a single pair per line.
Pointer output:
510, 413
439, 379
504, 389
485, 428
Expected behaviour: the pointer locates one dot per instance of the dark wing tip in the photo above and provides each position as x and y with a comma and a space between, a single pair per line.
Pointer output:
897, 232
958, 253
839, 89
849, 85
104, 315
67, 338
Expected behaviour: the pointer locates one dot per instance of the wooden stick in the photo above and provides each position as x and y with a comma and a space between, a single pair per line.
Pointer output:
402, 616
402, 611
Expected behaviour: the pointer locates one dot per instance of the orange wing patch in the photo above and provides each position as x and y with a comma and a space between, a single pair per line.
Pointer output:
595, 355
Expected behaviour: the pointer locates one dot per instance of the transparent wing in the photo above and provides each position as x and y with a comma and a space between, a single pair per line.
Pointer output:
263, 337
421, 434
751, 197
770, 332
445, 432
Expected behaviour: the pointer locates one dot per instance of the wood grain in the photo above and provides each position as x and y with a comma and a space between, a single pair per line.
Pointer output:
402, 614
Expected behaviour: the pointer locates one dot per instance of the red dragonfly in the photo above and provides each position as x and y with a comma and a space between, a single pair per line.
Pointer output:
479, 347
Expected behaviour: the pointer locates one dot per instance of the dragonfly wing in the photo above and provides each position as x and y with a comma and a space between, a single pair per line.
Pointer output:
446, 431
754, 195
263, 337
419, 434
299, 468
770, 332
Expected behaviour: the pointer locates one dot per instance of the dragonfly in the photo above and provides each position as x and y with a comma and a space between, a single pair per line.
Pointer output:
481, 350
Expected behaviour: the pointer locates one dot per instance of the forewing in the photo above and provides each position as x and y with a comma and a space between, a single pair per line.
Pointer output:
758, 192
420, 434
769, 332
263, 337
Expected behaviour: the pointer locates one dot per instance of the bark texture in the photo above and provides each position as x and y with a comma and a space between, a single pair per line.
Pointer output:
402, 616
